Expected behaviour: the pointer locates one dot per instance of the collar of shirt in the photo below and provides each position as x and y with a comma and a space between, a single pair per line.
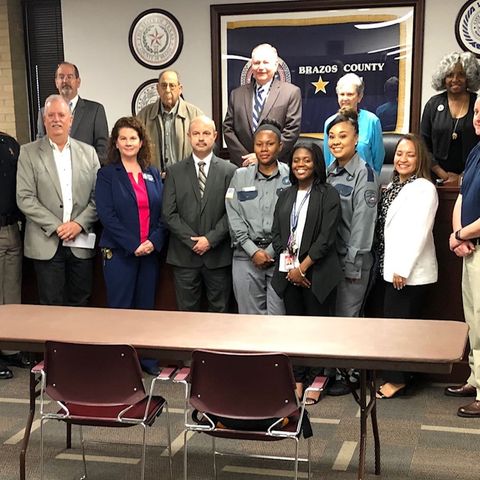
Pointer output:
261, 176
173, 112
73, 102
350, 167
266, 87
55, 146
207, 161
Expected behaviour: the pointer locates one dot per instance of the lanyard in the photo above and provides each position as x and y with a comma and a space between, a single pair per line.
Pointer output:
294, 216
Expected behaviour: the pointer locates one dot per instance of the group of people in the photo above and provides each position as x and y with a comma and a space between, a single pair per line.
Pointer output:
294, 229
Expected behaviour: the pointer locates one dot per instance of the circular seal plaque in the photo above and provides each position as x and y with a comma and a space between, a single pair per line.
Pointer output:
467, 27
155, 38
145, 94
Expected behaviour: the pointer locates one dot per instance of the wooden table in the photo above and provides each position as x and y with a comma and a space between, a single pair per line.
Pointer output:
367, 344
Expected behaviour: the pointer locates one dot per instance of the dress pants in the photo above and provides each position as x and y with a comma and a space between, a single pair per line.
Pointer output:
302, 301
10, 270
351, 294
253, 289
189, 283
131, 281
64, 279
471, 310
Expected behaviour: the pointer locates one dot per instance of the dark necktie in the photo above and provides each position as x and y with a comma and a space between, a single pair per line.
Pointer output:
202, 178
258, 102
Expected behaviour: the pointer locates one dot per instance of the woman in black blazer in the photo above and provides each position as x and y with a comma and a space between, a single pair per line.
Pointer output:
304, 232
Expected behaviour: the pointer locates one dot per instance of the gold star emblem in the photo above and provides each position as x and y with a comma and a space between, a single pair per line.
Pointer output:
320, 85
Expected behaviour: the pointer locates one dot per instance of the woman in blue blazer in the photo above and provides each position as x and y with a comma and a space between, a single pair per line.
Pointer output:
129, 199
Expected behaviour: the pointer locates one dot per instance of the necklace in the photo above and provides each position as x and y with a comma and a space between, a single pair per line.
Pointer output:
460, 115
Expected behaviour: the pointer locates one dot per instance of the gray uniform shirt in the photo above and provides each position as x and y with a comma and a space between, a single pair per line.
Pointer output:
250, 203
357, 185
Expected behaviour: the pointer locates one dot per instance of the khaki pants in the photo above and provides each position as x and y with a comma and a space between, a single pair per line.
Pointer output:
471, 309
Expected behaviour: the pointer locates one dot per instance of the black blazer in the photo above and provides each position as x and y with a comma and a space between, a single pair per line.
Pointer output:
187, 215
318, 238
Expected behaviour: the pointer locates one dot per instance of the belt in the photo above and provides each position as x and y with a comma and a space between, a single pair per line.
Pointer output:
8, 220
262, 242
475, 241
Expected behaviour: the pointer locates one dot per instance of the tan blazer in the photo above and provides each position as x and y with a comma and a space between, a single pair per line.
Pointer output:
39, 195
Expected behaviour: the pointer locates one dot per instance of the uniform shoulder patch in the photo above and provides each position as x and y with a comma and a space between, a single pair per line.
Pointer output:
371, 198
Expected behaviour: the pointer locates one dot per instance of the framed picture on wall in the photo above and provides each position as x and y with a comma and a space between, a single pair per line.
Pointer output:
467, 28
145, 94
155, 38
320, 41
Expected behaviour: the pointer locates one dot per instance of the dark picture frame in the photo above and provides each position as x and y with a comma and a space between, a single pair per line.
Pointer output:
260, 14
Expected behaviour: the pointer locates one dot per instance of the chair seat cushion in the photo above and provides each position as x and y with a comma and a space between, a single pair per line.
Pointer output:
107, 416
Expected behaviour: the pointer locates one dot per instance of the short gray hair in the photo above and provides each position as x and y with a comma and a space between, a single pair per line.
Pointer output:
55, 98
469, 64
351, 79
266, 46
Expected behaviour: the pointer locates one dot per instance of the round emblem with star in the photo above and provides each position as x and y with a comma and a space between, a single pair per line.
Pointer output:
155, 38
144, 95
467, 27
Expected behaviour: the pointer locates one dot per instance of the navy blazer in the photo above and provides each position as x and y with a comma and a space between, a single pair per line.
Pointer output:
117, 208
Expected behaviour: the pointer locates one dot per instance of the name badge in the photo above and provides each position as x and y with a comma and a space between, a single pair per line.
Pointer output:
286, 262
249, 189
148, 177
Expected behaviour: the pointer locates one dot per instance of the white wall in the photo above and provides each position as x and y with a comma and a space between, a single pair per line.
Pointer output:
96, 39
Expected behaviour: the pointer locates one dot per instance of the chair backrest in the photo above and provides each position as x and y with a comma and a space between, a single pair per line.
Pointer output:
390, 141
242, 386
92, 374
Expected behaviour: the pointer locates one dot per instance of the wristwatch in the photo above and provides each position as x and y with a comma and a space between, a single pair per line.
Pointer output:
457, 235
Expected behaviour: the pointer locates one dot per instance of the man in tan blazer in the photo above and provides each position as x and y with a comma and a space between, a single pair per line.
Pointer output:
55, 190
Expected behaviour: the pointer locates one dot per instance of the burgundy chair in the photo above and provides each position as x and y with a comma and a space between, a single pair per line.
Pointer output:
244, 397
98, 385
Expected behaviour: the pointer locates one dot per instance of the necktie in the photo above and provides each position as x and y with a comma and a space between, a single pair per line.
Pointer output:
70, 105
202, 178
258, 106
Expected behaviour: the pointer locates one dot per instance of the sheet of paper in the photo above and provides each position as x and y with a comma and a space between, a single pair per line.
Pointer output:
82, 240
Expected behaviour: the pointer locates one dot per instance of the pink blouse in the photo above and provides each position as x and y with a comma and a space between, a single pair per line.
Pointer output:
143, 206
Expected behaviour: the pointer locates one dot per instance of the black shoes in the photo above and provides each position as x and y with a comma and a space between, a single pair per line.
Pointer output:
5, 372
20, 360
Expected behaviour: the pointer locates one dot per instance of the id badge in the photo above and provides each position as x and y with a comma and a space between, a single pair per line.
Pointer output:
287, 262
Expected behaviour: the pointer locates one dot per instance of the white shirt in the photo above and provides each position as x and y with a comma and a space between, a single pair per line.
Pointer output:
73, 103
63, 162
207, 161
302, 216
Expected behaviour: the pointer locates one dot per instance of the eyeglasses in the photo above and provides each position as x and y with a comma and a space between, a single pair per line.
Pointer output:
69, 76
172, 86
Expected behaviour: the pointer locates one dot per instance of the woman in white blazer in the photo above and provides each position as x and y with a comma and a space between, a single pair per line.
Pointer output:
405, 248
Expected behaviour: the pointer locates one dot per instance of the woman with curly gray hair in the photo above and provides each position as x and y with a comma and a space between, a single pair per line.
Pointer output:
447, 120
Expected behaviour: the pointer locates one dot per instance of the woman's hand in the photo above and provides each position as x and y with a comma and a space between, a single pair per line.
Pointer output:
298, 278
398, 281
145, 248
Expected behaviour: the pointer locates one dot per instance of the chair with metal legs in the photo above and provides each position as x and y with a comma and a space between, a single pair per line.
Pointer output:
245, 397
98, 385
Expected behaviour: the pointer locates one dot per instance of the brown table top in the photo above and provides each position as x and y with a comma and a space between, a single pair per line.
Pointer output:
373, 343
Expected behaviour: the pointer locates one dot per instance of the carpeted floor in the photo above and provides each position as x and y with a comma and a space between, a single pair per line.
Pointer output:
421, 438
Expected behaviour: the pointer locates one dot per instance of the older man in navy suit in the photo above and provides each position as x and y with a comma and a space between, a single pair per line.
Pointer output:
89, 119
194, 211
266, 97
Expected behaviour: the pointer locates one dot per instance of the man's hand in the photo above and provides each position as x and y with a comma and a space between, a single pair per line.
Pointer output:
68, 231
261, 259
202, 246
249, 159
145, 248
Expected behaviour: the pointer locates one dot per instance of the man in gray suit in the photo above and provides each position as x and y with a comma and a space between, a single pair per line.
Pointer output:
56, 178
89, 119
194, 211
266, 97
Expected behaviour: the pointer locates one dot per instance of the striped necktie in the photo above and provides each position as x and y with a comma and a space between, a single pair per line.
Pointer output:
202, 178
258, 102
